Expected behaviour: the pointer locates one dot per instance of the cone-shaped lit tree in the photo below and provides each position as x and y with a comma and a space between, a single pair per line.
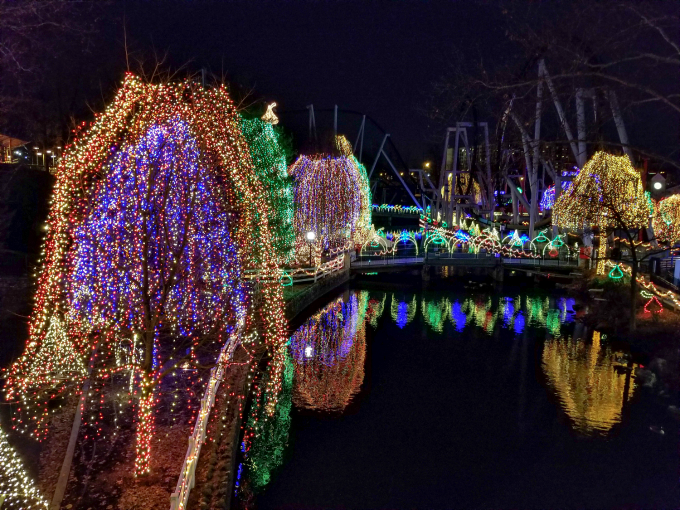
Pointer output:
156, 211
607, 194
269, 159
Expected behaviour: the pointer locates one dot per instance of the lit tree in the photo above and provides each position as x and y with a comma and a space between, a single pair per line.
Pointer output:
17, 490
332, 199
156, 211
270, 161
667, 220
607, 194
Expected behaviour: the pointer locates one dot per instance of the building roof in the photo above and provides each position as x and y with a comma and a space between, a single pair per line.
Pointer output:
8, 141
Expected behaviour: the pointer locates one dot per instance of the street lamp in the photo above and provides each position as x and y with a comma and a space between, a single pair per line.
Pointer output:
310, 239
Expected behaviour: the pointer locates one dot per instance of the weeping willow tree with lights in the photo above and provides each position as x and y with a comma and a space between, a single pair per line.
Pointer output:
607, 194
332, 199
157, 211
270, 160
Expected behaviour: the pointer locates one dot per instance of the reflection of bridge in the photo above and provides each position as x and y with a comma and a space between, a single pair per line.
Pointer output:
469, 260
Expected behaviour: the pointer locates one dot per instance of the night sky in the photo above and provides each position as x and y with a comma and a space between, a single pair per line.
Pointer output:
379, 58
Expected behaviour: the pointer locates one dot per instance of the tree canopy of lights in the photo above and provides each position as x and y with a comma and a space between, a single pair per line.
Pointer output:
332, 198
667, 220
156, 210
270, 161
17, 488
607, 193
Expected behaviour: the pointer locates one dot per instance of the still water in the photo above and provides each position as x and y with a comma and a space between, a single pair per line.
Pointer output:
427, 398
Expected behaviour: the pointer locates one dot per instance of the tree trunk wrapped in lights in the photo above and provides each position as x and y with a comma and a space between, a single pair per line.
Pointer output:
607, 194
332, 199
157, 209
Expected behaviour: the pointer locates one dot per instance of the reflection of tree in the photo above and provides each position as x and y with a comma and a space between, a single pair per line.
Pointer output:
403, 312
329, 352
591, 392
375, 309
481, 312
265, 452
436, 312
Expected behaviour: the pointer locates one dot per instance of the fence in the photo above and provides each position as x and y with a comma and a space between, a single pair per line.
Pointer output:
187, 476
304, 274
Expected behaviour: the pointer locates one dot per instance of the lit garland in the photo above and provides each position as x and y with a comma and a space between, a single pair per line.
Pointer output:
269, 159
400, 209
666, 221
113, 250
332, 199
17, 490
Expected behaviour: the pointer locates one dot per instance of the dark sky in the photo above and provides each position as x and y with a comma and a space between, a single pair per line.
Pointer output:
379, 58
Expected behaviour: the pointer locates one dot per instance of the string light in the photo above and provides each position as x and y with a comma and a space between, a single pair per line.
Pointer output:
666, 220
332, 199
157, 210
17, 490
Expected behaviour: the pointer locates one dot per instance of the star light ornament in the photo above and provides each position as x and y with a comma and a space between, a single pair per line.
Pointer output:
269, 116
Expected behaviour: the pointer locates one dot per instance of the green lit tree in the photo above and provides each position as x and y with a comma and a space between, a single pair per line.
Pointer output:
268, 152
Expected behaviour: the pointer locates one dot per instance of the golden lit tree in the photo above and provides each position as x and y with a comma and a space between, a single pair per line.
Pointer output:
667, 220
607, 195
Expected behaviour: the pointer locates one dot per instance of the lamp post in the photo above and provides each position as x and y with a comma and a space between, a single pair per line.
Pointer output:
310, 239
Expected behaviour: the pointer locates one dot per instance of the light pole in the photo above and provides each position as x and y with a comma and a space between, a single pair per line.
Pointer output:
310, 239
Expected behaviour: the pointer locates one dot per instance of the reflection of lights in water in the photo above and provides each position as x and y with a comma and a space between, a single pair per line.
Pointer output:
582, 375
403, 313
333, 341
266, 439
458, 316
519, 323
375, 310
436, 312
508, 311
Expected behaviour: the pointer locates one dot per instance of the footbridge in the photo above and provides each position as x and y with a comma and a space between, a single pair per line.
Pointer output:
564, 268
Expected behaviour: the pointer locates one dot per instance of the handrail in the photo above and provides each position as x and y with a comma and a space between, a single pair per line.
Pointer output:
187, 476
303, 274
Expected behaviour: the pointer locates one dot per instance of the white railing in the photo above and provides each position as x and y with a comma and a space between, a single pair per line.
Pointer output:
187, 476
303, 274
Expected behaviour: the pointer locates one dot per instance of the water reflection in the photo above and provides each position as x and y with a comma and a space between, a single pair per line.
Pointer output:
403, 312
324, 362
514, 312
329, 352
591, 392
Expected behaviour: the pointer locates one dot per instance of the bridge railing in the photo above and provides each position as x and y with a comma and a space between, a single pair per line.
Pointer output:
291, 276
187, 477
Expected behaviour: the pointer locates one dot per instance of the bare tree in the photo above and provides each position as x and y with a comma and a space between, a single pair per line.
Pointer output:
577, 75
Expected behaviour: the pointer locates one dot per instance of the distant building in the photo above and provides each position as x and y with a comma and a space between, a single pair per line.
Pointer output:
9, 149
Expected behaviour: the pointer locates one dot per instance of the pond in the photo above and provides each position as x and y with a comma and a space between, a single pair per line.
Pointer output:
452, 397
